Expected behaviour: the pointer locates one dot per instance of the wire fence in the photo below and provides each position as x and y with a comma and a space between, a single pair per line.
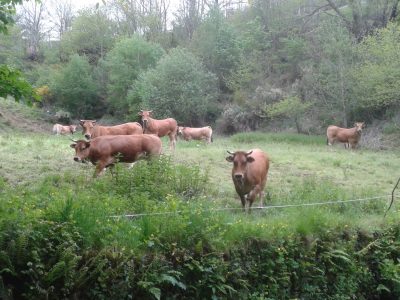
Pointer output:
333, 202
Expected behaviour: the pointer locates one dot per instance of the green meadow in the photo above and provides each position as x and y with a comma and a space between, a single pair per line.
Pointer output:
65, 234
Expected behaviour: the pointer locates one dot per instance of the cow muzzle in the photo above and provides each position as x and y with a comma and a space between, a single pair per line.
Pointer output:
87, 136
77, 159
239, 178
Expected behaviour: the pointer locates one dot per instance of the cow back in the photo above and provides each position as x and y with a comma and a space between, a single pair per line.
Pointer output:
127, 147
257, 170
122, 129
161, 127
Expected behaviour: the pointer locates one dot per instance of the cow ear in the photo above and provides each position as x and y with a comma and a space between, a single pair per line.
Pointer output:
250, 159
73, 146
87, 144
94, 122
229, 158
81, 122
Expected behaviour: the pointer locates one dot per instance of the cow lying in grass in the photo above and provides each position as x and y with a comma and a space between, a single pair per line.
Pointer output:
91, 130
190, 133
249, 174
348, 136
105, 151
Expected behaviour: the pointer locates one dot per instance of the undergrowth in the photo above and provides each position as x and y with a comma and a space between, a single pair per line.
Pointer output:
69, 237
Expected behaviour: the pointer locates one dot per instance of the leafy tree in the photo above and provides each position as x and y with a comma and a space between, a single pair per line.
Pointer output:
7, 12
290, 107
328, 80
125, 62
92, 35
216, 44
178, 86
12, 83
75, 89
377, 76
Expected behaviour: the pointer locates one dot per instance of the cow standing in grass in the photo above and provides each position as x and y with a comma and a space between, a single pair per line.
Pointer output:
249, 174
190, 133
91, 130
104, 151
160, 127
61, 129
348, 136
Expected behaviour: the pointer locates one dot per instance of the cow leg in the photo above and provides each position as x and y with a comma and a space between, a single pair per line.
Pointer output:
99, 169
243, 200
101, 165
172, 141
256, 191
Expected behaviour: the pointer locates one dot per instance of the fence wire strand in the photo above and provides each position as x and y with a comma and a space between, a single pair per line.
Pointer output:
131, 216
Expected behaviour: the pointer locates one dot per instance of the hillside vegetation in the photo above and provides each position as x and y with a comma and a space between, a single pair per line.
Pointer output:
17, 117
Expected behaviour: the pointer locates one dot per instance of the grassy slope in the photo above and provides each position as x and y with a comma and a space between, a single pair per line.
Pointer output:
16, 117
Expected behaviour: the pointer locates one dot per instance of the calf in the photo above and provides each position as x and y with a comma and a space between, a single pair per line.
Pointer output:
61, 129
105, 151
92, 130
249, 174
189, 133
348, 136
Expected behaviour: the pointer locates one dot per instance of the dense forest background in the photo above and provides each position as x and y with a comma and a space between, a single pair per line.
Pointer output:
239, 66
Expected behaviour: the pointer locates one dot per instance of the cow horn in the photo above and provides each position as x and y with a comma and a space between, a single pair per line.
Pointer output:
250, 152
73, 140
231, 153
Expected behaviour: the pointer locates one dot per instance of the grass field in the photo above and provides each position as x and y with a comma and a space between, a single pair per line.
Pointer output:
56, 217
296, 161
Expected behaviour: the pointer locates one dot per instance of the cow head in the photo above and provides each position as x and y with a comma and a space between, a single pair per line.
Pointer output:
180, 130
359, 126
87, 127
240, 160
81, 150
72, 128
145, 114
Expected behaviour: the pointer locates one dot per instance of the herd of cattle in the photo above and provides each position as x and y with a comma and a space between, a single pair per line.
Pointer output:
129, 142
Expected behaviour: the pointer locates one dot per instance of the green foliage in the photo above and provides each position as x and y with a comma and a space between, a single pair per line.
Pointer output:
92, 34
291, 107
12, 83
377, 75
7, 11
125, 62
329, 82
216, 44
75, 89
178, 86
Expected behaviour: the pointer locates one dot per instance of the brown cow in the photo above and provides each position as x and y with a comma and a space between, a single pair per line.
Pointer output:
160, 127
105, 151
91, 130
189, 133
61, 129
249, 174
345, 135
